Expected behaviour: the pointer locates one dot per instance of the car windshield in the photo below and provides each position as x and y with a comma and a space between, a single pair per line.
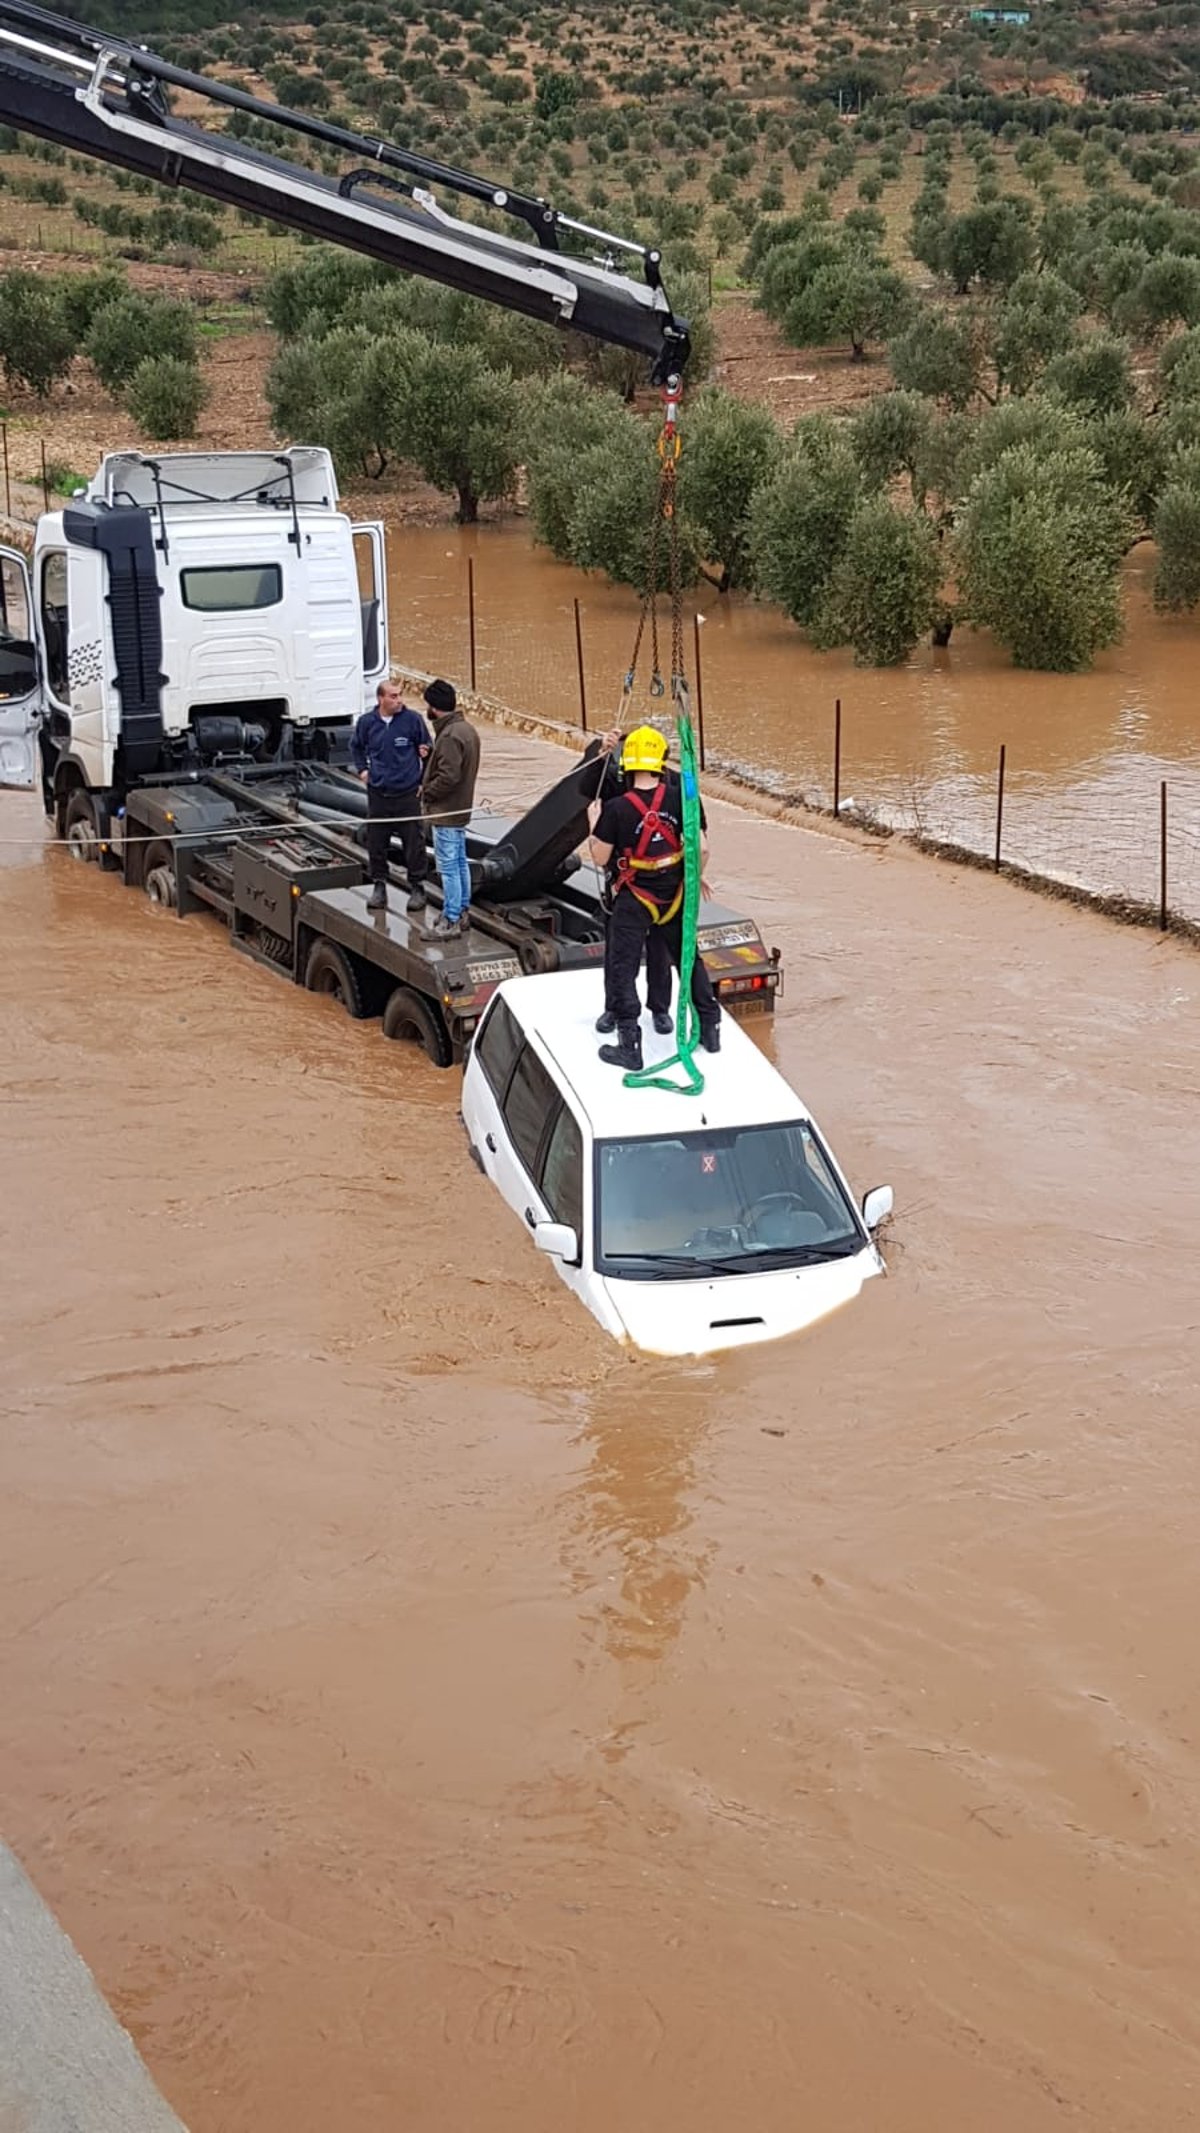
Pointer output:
739, 1200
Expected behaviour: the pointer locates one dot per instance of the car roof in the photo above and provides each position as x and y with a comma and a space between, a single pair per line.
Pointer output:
741, 1087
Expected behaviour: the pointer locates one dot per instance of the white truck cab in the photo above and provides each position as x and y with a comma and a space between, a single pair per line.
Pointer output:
686, 1224
186, 609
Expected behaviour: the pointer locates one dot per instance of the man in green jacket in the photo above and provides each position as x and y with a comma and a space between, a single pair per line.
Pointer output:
447, 797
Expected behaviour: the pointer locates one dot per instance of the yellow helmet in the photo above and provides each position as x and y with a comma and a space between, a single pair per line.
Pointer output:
644, 749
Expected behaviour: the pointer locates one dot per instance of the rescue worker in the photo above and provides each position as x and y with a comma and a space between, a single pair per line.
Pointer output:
613, 782
640, 834
388, 749
449, 796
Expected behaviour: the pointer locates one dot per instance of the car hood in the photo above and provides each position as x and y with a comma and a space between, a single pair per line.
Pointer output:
729, 1311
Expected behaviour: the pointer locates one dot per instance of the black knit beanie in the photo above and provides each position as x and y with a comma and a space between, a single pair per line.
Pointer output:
440, 697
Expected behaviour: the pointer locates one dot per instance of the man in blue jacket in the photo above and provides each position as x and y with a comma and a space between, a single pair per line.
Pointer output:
388, 750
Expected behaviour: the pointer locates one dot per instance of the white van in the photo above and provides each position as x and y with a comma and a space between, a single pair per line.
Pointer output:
685, 1223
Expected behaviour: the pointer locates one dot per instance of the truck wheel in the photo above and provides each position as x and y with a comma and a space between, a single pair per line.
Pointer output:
160, 887
329, 971
158, 879
410, 1018
79, 828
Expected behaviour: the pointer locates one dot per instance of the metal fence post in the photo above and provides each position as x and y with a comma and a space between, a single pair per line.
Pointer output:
1162, 857
45, 480
999, 804
699, 692
7, 475
471, 611
837, 756
579, 663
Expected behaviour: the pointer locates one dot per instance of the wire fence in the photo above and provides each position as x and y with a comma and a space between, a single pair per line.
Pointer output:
1122, 834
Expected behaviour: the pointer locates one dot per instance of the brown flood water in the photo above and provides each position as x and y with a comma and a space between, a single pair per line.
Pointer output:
425, 1715
1086, 753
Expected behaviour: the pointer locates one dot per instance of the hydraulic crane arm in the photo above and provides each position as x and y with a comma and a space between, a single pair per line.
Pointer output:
102, 96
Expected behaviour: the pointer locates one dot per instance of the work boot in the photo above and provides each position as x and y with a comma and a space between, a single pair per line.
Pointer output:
710, 1033
441, 929
377, 900
627, 1052
417, 899
606, 1023
662, 1023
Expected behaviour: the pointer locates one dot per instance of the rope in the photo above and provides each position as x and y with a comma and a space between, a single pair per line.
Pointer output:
238, 831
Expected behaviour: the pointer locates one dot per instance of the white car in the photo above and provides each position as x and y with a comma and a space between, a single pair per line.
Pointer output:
685, 1223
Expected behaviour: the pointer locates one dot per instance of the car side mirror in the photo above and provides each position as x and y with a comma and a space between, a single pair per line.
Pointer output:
878, 1206
557, 1239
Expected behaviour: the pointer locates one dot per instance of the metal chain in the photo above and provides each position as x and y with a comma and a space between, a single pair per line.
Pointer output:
665, 513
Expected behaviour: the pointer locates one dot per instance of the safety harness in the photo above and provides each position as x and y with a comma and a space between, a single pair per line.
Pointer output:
630, 864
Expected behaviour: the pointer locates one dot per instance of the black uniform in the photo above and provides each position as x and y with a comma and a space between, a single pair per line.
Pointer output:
648, 900
613, 783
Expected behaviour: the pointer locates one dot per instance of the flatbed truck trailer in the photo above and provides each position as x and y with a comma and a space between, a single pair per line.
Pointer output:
277, 856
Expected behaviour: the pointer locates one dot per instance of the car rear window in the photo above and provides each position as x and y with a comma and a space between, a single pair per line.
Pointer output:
496, 1047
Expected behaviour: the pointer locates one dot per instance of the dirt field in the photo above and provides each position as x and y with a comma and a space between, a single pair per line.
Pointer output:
422, 1714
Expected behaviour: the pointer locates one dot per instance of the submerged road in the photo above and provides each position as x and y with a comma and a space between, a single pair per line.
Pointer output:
422, 1714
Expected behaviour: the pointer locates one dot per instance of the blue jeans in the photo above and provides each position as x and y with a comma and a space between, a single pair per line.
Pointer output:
450, 852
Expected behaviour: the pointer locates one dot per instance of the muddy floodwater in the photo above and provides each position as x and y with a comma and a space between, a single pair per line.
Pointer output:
1086, 754
425, 1715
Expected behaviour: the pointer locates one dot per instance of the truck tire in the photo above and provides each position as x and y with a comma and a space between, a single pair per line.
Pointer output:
409, 1018
79, 828
328, 970
160, 887
158, 879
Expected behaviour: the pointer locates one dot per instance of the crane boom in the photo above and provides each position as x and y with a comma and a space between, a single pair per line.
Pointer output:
106, 97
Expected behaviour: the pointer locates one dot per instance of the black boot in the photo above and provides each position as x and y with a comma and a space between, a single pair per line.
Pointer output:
627, 1052
377, 900
662, 1023
417, 899
606, 1023
710, 1033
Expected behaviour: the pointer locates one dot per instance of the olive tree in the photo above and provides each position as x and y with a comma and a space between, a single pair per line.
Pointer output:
1177, 535
939, 356
730, 447
135, 329
858, 298
1036, 322
882, 595
37, 337
1038, 550
800, 517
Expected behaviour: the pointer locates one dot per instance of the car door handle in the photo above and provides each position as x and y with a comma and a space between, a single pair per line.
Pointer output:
488, 1142
531, 1218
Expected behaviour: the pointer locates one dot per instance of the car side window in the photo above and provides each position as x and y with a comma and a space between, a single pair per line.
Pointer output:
497, 1046
528, 1106
562, 1173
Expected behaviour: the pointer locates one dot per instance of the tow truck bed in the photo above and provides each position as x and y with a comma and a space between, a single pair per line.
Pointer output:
243, 842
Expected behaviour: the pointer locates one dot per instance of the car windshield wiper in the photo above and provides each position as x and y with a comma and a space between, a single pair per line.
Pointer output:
666, 1262
775, 1258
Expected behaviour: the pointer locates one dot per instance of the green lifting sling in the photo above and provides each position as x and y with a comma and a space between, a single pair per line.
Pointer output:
687, 1022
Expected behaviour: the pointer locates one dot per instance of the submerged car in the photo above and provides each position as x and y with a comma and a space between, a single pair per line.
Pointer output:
685, 1223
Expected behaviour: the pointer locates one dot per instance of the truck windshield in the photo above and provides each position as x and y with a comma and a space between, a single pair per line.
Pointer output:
737, 1200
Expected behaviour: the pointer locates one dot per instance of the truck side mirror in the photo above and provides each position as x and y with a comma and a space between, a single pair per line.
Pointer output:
557, 1239
878, 1206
